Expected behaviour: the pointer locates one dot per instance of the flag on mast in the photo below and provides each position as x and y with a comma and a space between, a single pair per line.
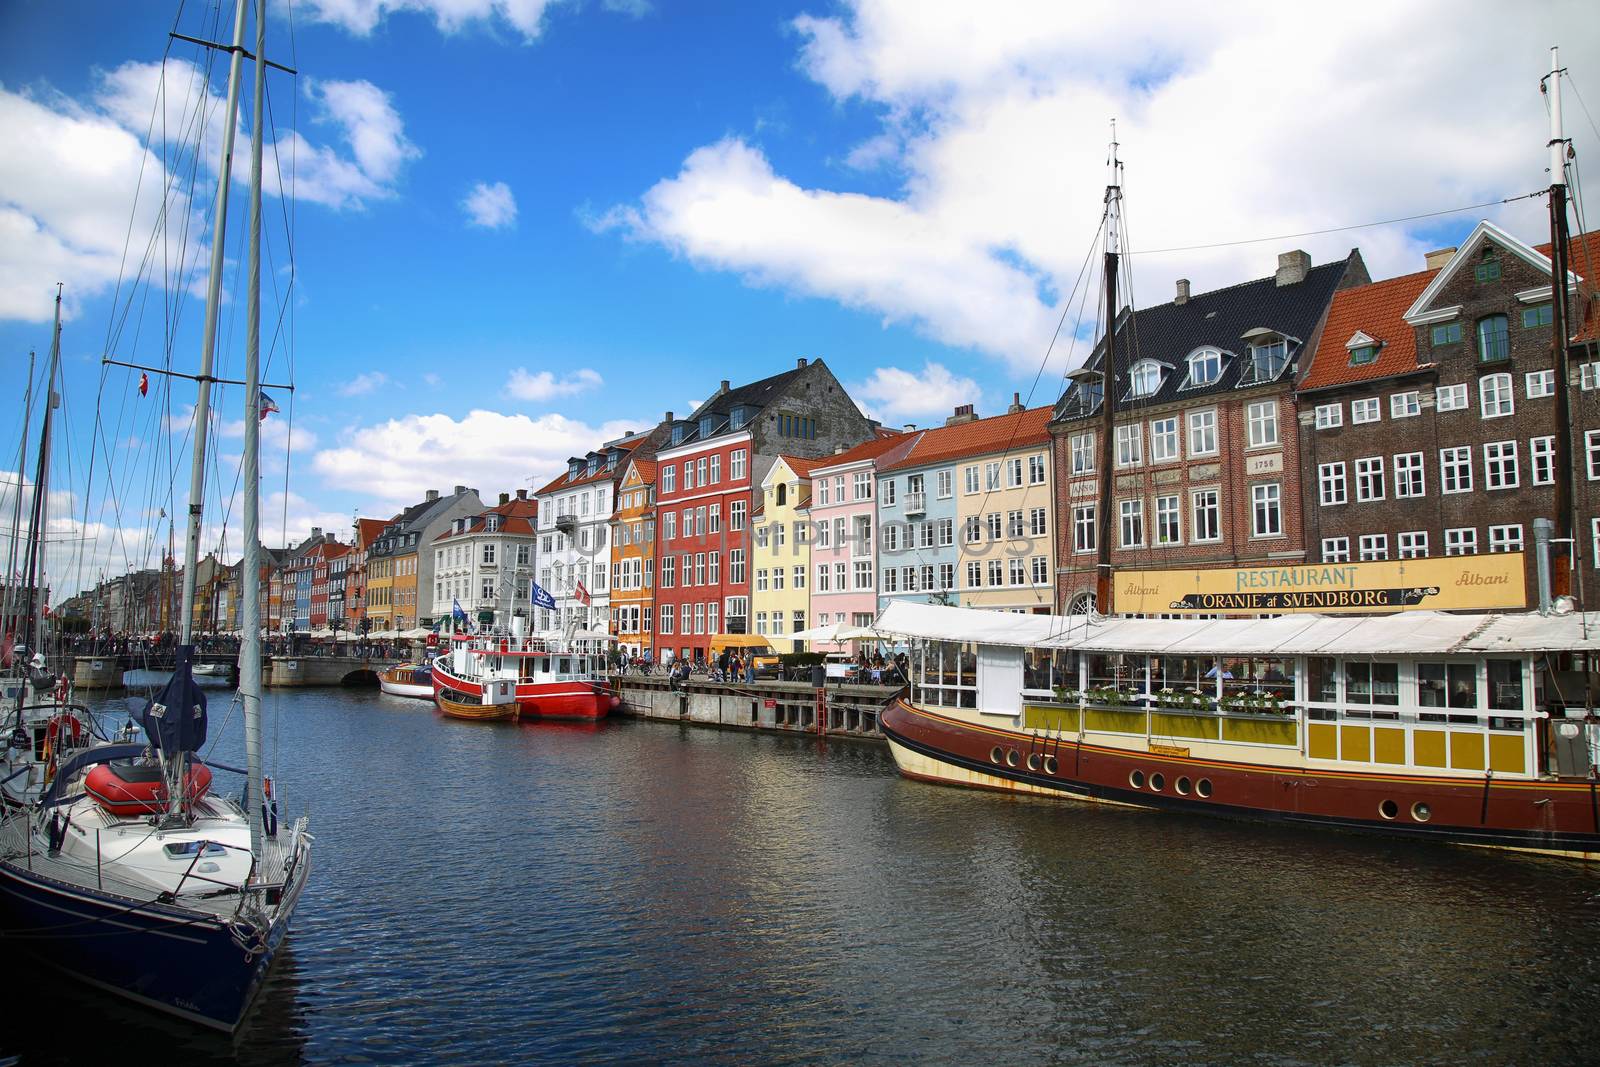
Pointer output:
581, 595
267, 406
144, 384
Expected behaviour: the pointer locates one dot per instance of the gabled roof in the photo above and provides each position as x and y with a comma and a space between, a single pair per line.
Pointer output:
1422, 311
369, 530
1377, 310
645, 467
999, 433
754, 396
1220, 319
889, 444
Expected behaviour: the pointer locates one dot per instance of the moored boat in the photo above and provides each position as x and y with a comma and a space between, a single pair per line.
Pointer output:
556, 679
461, 706
408, 680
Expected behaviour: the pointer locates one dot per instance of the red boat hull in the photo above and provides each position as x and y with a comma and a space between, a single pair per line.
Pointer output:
570, 701
127, 799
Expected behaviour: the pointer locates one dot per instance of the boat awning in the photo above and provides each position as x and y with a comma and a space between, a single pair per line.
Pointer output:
1408, 633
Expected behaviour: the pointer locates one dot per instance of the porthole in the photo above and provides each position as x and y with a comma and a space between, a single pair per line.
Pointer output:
1182, 786
1421, 812
1388, 809
1136, 779
1158, 782
996, 754
1049, 765
1203, 787
1011, 758
1033, 761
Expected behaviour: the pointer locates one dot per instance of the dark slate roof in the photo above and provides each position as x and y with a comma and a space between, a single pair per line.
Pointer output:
1169, 332
755, 396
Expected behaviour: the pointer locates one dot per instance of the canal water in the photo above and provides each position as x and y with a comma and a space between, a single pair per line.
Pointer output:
647, 892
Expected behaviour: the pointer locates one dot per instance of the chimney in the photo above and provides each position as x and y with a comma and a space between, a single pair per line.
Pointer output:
316, 533
668, 417
522, 494
964, 413
1439, 257
909, 427
1016, 404
723, 388
800, 363
1292, 267
433, 494
460, 489
505, 498
838, 449
1183, 292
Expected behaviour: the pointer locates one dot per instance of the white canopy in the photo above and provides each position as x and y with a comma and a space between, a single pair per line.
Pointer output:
1405, 633
416, 633
835, 632
322, 633
383, 635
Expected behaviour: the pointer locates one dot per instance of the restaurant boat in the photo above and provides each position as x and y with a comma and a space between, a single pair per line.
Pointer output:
1423, 725
550, 679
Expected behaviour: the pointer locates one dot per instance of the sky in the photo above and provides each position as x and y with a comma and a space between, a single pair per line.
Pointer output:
522, 227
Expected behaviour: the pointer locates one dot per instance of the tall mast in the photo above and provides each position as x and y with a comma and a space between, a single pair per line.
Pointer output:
1103, 591
202, 404
250, 476
1563, 549
13, 604
33, 567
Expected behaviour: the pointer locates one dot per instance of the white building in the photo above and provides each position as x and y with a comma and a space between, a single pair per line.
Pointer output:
485, 562
574, 545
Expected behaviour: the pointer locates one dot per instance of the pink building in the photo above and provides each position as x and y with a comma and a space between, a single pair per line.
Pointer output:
843, 516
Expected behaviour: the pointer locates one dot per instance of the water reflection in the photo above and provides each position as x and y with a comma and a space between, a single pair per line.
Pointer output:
568, 892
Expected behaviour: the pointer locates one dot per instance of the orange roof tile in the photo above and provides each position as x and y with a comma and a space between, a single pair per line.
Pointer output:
868, 450
994, 434
369, 530
1378, 310
1584, 261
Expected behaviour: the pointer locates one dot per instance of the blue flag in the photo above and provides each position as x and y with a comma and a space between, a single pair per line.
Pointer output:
540, 598
455, 610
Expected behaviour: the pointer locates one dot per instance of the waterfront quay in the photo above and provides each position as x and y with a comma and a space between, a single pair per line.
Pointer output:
644, 891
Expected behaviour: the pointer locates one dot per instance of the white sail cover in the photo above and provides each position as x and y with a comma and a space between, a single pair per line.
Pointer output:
1408, 633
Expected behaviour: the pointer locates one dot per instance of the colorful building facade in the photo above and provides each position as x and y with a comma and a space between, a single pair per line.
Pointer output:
780, 556
633, 557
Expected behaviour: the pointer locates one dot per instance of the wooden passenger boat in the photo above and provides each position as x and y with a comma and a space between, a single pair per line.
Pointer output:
408, 680
460, 706
1461, 728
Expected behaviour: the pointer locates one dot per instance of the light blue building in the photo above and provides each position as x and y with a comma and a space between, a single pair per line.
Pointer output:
917, 553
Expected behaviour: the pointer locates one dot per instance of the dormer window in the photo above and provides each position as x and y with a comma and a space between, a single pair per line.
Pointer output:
736, 420
492, 523
1268, 358
678, 430
1487, 268
1144, 378
1363, 349
1205, 367
705, 426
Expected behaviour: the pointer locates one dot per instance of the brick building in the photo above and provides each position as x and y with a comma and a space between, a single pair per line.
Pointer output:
704, 480
1427, 415
1207, 466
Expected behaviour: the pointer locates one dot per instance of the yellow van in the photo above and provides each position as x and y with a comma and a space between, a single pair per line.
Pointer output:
752, 648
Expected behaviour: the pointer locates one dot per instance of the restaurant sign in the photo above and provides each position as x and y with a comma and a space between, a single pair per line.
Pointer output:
1449, 583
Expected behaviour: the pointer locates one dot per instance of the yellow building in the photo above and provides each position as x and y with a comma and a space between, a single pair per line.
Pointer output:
1004, 509
780, 560
380, 593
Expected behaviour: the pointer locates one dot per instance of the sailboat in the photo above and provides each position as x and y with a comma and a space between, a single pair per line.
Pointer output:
130, 872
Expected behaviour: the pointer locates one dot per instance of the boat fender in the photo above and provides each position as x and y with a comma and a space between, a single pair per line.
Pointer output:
58, 832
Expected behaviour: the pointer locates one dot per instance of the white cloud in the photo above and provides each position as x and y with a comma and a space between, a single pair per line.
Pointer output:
72, 173
491, 206
362, 384
525, 17
896, 395
996, 118
394, 463
544, 385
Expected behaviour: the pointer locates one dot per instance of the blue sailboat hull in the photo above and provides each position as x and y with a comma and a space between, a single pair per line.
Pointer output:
178, 961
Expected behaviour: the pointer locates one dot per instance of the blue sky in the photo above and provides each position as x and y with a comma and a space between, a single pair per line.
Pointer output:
706, 191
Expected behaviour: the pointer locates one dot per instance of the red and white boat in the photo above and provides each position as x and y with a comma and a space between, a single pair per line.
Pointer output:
555, 679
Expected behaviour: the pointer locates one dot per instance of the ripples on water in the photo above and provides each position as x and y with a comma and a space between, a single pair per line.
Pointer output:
644, 891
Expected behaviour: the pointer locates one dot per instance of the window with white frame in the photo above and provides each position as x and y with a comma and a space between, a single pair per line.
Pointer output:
1083, 527
1506, 538
1205, 515
862, 570
1266, 510
1409, 479
1035, 470
1014, 472
1495, 396
947, 580
1589, 377
1164, 440
974, 574
1329, 416
1414, 544
995, 572
1082, 459
946, 532
991, 476
974, 530
1331, 484
824, 583
669, 478
1205, 367
1144, 378
1405, 405
889, 580
1500, 465
1336, 550
1369, 478
1539, 383
1461, 541
992, 522
1542, 460
1365, 410
736, 514
1017, 571
823, 492
969, 475
861, 485
1132, 512
1261, 424
886, 493
945, 480
1203, 432
1036, 522
1039, 566
1169, 529
1591, 453
1450, 397
1130, 445
1594, 539
1374, 547
1455, 469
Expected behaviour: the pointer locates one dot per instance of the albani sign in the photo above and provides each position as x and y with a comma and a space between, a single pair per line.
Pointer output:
1451, 583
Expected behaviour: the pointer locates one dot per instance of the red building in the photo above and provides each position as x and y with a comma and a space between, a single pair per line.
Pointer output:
320, 558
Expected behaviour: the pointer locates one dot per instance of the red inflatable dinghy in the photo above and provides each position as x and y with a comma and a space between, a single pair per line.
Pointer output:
125, 788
